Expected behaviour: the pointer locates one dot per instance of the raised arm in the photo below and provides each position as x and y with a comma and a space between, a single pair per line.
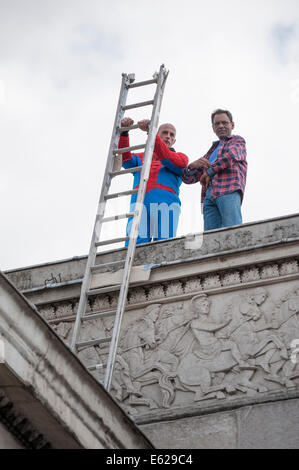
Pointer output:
209, 326
174, 161
129, 160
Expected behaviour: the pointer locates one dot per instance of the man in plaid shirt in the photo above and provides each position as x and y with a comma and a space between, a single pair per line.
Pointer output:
222, 174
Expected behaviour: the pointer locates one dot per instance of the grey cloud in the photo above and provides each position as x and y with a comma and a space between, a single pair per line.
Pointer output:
61, 63
91, 39
284, 37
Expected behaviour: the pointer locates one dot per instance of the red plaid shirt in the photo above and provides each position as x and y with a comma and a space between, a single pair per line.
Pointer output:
230, 168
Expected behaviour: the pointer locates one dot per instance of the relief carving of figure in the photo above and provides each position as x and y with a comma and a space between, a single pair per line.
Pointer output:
257, 335
145, 365
171, 327
288, 330
210, 355
262, 343
91, 355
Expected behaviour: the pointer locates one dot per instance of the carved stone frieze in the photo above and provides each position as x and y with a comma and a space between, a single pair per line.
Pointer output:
174, 288
113, 299
137, 296
270, 271
215, 336
249, 275
231, 279
47, 312
209, 347
289, 267
100, 303
192, 284
170, 289
65, 309
156, 292
211, 282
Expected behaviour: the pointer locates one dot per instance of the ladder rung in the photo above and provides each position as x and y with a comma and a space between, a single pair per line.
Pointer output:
94, 316
118, 217
92, 342
97, 366
124, 193
128, 128
97, 267
128, 149
146, 82
124, 172
137, 105
103, 290
112, 240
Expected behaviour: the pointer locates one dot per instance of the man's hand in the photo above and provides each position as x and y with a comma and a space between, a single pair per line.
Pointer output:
200, 163
144, 125
205, 180
126, 122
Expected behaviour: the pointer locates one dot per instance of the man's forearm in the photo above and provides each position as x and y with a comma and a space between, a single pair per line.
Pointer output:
123, 143
164, 153
191, 176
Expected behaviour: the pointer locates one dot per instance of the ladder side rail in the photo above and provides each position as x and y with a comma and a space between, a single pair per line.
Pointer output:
100, 210
135, 226
110, 159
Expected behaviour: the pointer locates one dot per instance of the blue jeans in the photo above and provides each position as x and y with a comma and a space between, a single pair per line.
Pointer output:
223, 211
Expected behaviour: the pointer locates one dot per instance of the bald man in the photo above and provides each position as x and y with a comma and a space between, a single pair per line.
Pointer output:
162, 205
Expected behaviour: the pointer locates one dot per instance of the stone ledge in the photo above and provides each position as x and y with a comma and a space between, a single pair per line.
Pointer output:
226, 280
56, 384
19, 425
216, 242
216, 407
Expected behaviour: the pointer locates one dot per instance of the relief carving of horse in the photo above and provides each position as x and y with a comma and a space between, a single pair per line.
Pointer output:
145, 366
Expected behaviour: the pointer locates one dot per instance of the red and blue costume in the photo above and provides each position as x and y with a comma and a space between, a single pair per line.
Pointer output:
161, 200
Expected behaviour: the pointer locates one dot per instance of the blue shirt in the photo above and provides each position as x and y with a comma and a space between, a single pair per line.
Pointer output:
212, 159
214, 154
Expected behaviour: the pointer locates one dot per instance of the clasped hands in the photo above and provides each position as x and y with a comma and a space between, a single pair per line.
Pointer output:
143, 124
203, 163
200, 163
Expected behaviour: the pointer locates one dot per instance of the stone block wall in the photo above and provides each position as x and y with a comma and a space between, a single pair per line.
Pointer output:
208, 347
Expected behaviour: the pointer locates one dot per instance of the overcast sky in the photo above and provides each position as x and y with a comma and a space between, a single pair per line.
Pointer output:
60, 71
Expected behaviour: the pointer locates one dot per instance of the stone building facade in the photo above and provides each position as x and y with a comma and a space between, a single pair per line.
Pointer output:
48, 399
208, 349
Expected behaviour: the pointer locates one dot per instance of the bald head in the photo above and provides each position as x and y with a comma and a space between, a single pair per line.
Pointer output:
167, 132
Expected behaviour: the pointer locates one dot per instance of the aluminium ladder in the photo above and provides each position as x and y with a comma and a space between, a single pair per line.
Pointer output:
112, 170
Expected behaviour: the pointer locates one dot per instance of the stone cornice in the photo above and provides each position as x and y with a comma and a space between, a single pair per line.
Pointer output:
186, 412
38, 364
20, 426
256, 236
228, 261
221, 281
